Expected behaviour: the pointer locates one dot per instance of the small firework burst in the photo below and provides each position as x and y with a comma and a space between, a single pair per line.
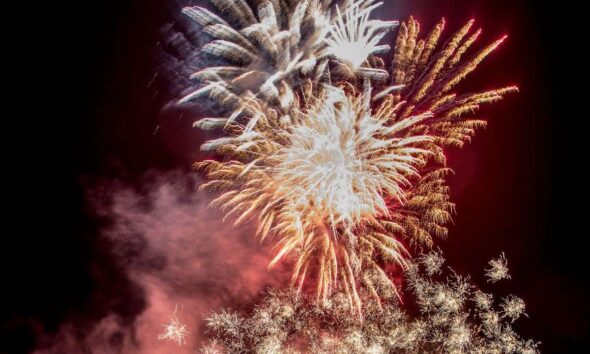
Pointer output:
432, 262
513, 307
498, 269
354, 37
482, 300
174, 330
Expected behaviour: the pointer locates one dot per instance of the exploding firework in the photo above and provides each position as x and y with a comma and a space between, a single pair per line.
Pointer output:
498, 269
323, 184
454, 317
353, 37
174, 330
336, 155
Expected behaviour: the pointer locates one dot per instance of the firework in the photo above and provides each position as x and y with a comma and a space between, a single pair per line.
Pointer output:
174, 330
353, 37
337, 156
453, 317
498, 269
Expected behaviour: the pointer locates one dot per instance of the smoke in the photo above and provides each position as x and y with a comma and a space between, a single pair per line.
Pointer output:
181, 254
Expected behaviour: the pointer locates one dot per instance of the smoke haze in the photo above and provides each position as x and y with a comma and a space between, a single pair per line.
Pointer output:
181, 254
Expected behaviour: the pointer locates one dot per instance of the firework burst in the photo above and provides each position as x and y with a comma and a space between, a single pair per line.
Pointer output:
174, 330
324, 184
453, 317
353, 37
337, 156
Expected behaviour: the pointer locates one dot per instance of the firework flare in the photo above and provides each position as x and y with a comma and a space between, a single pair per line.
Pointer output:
337, 155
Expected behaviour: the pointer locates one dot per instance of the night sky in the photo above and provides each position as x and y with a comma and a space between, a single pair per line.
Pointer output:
85, 108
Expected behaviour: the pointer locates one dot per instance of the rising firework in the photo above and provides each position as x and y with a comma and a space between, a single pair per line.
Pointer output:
337, 155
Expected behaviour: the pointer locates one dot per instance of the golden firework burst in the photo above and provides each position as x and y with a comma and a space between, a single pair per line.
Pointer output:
338, 160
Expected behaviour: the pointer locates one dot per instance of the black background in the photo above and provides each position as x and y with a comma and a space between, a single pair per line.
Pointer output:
78, 109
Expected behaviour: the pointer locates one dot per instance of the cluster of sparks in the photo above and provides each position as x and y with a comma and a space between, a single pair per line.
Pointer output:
454, 317
498, 269
337, 154
174, 330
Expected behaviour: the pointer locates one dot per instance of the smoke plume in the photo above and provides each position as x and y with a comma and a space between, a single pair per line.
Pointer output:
182, 256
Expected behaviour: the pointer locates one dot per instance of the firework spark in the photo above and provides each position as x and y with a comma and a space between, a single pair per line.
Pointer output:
453, 317
498, 269
338, 158
174, 330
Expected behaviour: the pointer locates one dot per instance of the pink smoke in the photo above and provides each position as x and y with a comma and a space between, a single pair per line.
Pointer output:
183, 255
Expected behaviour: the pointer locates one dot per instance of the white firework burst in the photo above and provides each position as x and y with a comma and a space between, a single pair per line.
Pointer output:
174, 330
340, 161
354, 36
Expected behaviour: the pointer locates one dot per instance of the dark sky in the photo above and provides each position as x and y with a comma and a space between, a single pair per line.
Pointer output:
81, 111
